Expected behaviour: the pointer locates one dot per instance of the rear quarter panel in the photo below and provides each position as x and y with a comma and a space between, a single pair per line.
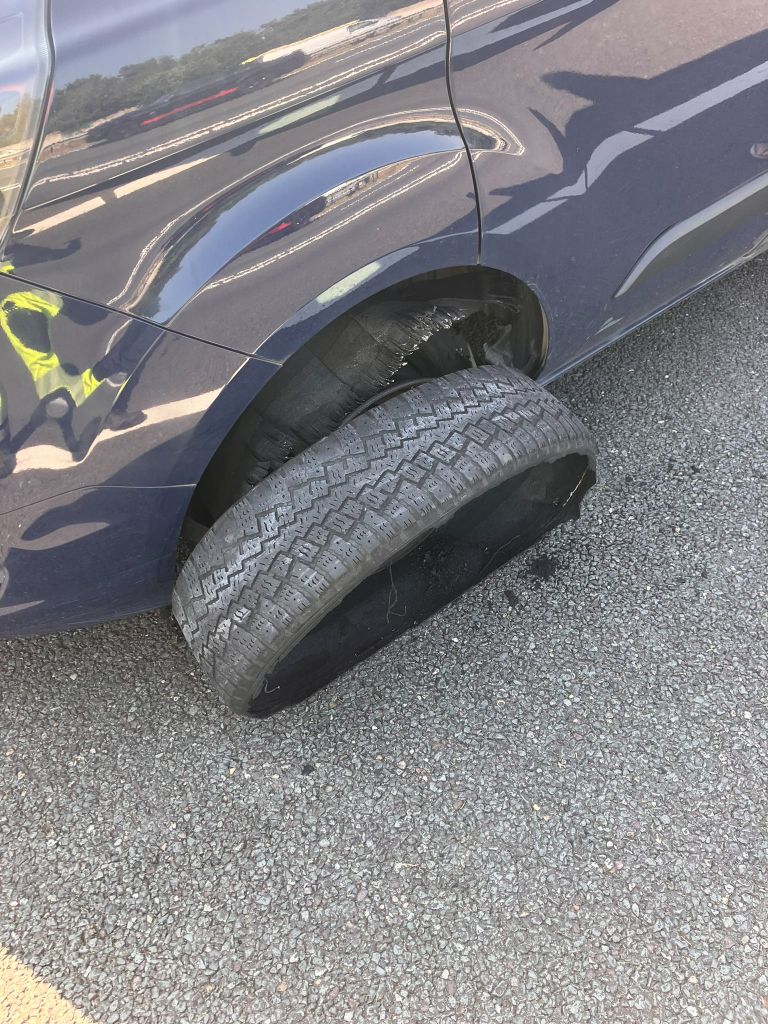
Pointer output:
215, 183
217, 167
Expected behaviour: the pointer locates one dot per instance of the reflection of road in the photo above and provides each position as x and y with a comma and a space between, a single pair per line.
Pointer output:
140, 212
633, 116
144, 230
326, 74
202, 188
402, 186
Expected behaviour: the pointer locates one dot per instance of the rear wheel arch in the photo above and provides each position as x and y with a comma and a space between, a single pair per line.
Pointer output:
349, 361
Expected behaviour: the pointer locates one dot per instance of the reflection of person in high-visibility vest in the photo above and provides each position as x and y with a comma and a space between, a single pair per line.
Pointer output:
61, 388
24, 319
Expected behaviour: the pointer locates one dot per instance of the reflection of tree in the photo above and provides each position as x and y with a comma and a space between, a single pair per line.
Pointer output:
97, 96
13, 124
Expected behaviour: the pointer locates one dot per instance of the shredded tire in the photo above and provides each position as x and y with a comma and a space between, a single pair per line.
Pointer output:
276, 563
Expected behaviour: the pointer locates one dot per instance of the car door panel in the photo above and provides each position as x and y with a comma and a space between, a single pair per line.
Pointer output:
628, 166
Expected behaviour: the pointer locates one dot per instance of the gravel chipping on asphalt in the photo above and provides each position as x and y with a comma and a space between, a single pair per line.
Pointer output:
547, 804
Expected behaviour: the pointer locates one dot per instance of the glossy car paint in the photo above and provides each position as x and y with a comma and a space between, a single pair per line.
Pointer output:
244, 209
229, 217
194, 220
95, 501
608, 126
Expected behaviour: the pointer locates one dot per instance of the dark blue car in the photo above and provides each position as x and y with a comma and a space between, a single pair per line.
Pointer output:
283, 283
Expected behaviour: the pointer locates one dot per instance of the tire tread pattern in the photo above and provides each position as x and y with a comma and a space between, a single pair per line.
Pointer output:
292, 548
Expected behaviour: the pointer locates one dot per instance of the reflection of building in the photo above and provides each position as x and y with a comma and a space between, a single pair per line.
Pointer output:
325, 40
352, 30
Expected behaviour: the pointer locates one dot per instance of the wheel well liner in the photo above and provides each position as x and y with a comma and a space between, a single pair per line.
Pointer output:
425, 326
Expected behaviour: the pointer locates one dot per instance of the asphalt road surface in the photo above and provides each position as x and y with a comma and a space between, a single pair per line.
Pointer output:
547, 804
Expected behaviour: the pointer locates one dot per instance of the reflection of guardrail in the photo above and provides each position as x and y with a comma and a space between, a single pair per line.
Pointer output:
11, 154
351, 31
279, 67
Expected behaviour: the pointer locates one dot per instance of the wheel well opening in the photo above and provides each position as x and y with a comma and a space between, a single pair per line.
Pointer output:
426, 326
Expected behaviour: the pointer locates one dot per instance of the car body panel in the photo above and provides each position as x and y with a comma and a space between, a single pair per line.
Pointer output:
88, 556
93, 499
617, 123
138, 427
338, 151
245, 202
214, 187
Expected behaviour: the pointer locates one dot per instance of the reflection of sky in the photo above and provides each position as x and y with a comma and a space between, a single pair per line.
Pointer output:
8, 102
156, 28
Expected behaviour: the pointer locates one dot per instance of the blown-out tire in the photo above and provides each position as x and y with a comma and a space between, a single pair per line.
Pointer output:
374, 528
